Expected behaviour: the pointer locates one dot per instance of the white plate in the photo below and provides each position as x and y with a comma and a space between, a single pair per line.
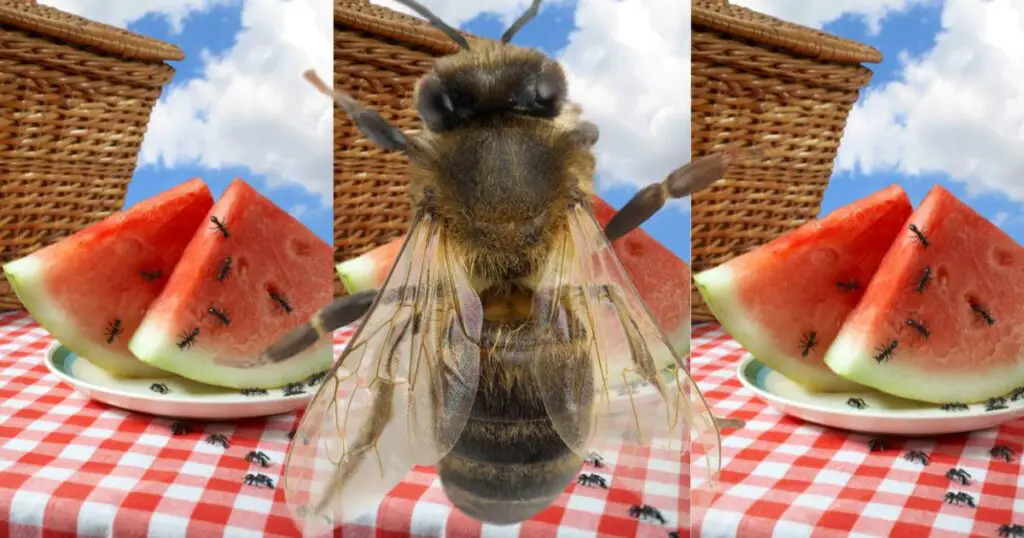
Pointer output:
882, 414
183, 399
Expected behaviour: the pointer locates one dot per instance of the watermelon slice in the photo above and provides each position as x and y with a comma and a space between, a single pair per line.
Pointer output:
785, 301
660, 277
242, 283
943, 320
91, 290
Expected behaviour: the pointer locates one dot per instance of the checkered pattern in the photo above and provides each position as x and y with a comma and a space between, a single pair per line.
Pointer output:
782, 477
73, 467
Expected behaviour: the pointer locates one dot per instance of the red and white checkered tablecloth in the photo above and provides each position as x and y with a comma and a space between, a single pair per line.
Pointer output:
70, 466
782, 477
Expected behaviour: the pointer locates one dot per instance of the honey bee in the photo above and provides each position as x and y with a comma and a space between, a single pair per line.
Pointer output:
507, 340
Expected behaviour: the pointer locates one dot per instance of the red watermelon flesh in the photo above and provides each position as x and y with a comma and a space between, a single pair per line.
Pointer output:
660, 277
268, 275
786, 301
91, 290
946, 350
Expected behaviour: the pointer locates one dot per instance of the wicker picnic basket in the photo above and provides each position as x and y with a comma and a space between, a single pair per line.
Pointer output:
757, 81
75, 100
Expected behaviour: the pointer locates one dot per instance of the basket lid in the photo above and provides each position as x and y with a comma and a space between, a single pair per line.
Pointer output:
721, 16
381, 21
30, 16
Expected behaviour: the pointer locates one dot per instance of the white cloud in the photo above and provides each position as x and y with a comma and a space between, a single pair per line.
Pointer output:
816, 13
249, 107
957, 110
122, 12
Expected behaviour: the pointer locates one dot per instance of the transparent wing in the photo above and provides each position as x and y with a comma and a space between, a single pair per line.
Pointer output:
400, 393
629, 385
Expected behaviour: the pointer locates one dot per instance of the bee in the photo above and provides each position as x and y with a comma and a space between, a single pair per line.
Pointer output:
496, 347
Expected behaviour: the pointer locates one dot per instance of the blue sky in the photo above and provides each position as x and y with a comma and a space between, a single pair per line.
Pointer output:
213, 32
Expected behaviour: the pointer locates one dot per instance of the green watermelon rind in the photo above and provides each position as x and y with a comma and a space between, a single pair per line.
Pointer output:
26, 276
717, 286
153, 344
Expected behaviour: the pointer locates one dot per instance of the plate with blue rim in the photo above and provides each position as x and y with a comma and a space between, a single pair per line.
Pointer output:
173, 396
872, 412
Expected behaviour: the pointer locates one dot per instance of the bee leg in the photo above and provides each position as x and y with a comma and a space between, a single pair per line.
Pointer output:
339, 313
698, 174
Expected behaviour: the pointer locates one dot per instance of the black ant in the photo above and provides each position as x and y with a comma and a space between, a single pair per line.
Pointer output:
188, 339
1011, 531
984, 314
886, 352
876, 445
960, 498
926, 277
222, 315
293, 389
316, 378
113, 330
959, 476
856, 403
1017, 394
218, 439
258, 457
956, 406
181, 428
919, 327
291, 435
254, 392
808, 343
644, 511
592, 480
995, 404
1002, 452
159, 388
220, 227
919, 235
281, 302
225, 269
917, 456
151, 276
848, 285
594, 459
258, 480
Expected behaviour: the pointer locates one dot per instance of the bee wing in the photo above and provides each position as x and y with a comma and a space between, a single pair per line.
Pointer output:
399, 394
638, 386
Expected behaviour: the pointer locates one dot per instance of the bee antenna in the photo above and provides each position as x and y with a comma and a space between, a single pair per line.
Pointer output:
521, 21
436, 22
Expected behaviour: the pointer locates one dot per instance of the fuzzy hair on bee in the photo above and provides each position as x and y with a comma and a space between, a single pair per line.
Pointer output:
507, 341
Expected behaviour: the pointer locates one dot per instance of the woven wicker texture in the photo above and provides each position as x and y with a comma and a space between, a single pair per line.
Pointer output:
75, 99
757, 81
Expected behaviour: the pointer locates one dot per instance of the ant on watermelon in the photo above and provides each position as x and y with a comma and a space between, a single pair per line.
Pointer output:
317, 378
919, 327
1017, 394
1002, 452
222, 315
188, 339
808, 343
856, 403
159, 388
954, 407
220, 227
917, 456
984, 314
151, 276
281, 302
848, 285
113, 330
218, 439
886, 352
995, 404
959, 476
919, 235
293, 389
926, 278
254, 392
225, 270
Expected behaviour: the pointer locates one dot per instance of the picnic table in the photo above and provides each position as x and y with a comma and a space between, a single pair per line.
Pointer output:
70, 466
783, 477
